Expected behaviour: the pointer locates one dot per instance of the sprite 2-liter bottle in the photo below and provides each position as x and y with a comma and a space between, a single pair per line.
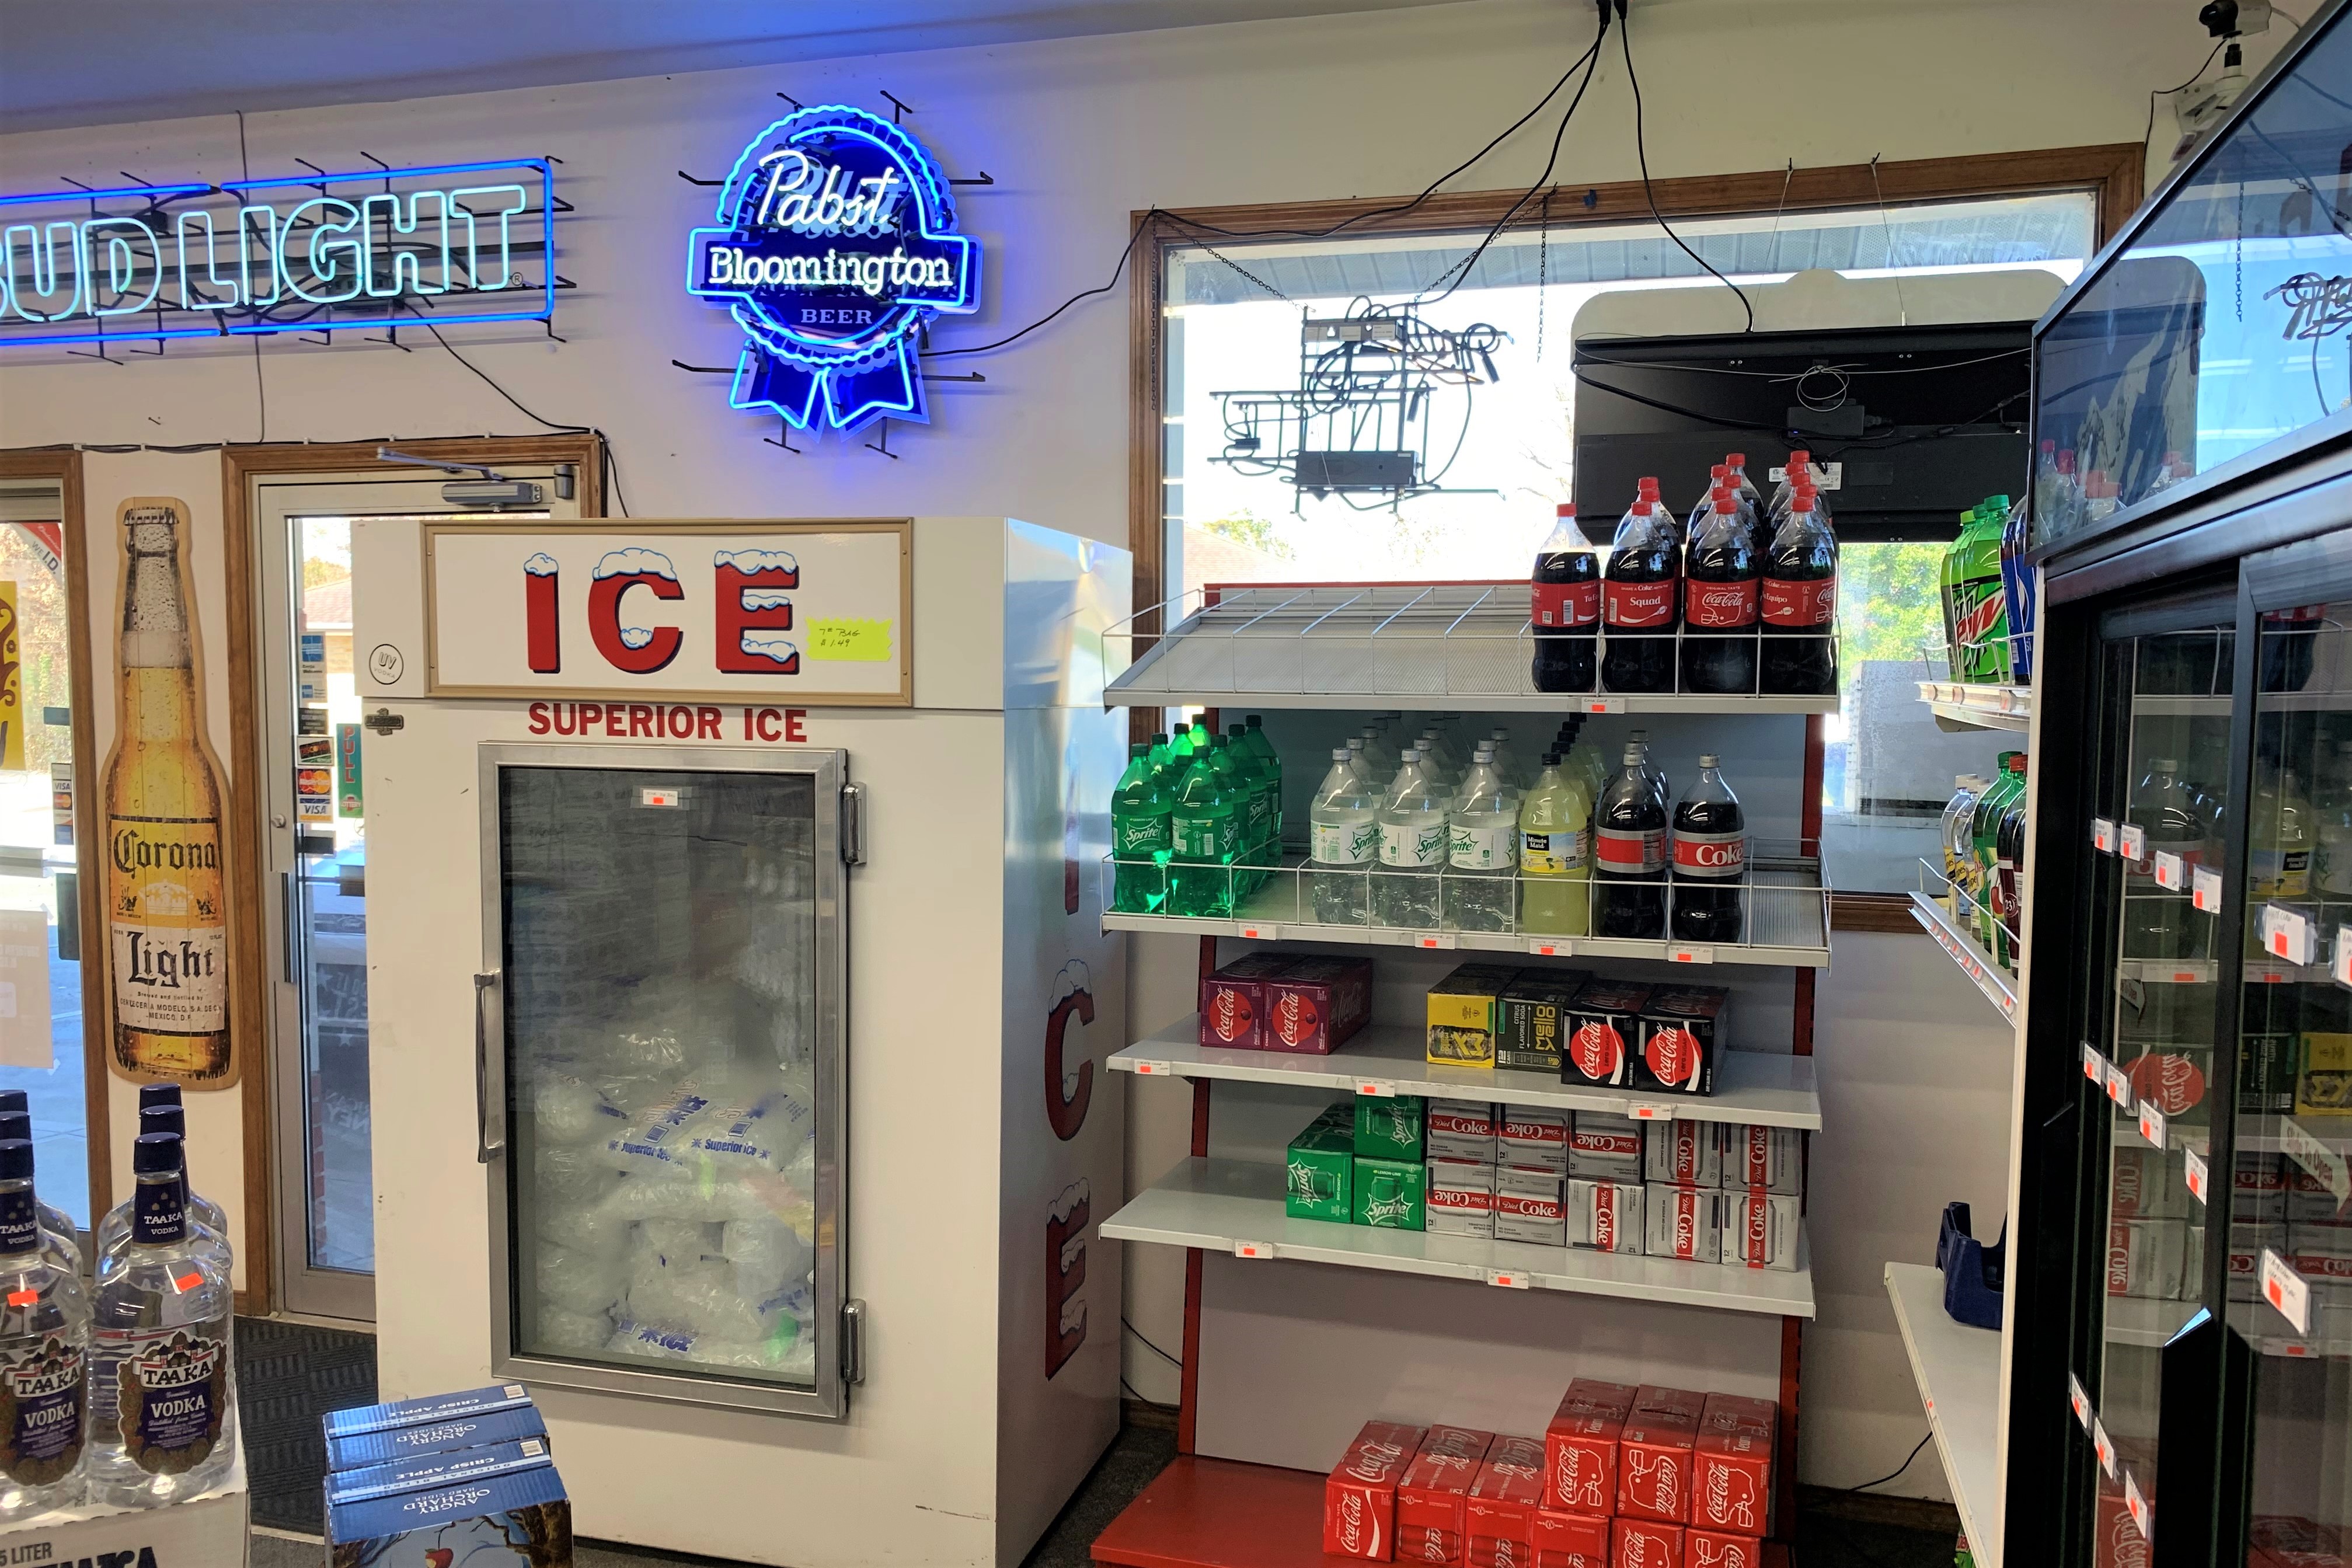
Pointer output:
1139, 813
1204, 838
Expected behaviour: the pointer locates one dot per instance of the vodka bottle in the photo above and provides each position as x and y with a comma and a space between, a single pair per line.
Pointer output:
1556, 852
1344, 834
163, 1400
44, 1353
15, 1104
1412, 848
1482, 841
208, 1223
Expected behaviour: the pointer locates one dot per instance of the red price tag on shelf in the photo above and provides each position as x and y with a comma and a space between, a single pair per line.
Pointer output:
2151, 1124
1376, 1088
1155, 1070
1253, 1249
2171, 872
1603, 705
2095, 1066
2102, 1447
1252, 932
1552, 947
2118, 1086
2077, 1401
1509, 1279
1690, 955
2286, 1290
2137, 1505
2131, 841
2192, 1167
2289, 934
2102, 836
2205, 889
1436, 939
1641, 1110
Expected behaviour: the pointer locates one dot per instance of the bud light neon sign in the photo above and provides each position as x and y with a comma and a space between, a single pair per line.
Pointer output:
837, 244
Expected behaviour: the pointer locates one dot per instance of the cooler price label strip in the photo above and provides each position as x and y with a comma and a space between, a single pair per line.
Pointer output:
2131, 841
1552, 947
1376, 1089
2137, 1505
1600, 704
2095, 1066
1509, 1279
2288, 1292
2102, 836
2102, 1447
1649, 1110
1690, 955
2171, 872
1963, 953
2119, 1086
2151, 1124
2193, 1171
1251, 930
1436, 939
2078, 1400
2205, 889
1156, 1069
2289, 934
1253, 1249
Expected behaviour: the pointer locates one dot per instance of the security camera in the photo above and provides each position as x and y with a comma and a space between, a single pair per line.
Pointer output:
2234, 18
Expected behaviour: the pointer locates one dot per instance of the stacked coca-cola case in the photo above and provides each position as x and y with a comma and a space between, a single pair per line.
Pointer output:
1623, 1478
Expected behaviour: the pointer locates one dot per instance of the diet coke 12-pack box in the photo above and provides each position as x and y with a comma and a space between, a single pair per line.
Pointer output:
1571, 1540
1685, 1154
1459, 1198
1528, 1204
1430, 1494
1530, 1136
1764, 1159
1606, 1216
1359, 1495
1605, 1147
1581, 1446
1605, 1026
1232, 1003
1655, 1454
1462, 1129
1761, 1229
1685, 1223
1680, 1031
1499, 1512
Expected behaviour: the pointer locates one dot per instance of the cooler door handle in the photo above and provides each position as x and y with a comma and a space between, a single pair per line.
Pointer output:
489, 1068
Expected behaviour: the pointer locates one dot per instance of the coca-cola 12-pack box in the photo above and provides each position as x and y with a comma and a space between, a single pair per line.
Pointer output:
1571, 1540
1232, 1003
1680, 1031
1581, 1446
1714, 1548
1647, 1544
1359, 1495
1431, 1492
1314, 1006
1605, 1024
1655, 1454
1499, 1513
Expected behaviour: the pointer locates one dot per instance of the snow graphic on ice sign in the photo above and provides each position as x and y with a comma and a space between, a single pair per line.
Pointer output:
767, 645
765, 599
635, 562
636, 637
762, 562
541, 564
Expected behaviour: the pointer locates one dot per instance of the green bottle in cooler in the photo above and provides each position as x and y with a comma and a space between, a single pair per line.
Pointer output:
1204, 838
1978, 613
1269, 762
1139, 812
1984, 831
1255, 802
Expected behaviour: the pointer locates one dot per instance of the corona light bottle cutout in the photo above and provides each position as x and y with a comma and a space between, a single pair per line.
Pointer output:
167, 921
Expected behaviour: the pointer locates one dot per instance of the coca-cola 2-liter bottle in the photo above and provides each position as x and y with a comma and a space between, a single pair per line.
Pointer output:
1710, 858
1720, 592
1800, 604
1638, 598
1629, 857
1565, 611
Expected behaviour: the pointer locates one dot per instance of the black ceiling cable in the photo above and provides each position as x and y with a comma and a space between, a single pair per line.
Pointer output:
1641, 150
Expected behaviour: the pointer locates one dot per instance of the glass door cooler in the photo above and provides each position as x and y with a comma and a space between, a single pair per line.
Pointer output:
2179, 1363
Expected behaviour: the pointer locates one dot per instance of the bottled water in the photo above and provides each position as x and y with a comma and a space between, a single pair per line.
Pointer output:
209, 1224
1344, 831
1412, 848
1482, 834
44, 1353
1359, 759
162, 1404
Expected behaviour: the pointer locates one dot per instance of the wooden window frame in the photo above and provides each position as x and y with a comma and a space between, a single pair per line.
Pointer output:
242, 468
2114, 174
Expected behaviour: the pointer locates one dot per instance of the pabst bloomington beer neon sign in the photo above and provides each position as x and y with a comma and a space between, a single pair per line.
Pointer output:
836, 245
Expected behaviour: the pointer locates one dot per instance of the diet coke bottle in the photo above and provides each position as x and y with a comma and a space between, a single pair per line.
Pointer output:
1710, 858
1720, 598
1565, 614
1638, 597
1800, 609
1629, 857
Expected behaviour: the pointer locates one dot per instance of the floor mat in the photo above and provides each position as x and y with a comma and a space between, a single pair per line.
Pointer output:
287, 1376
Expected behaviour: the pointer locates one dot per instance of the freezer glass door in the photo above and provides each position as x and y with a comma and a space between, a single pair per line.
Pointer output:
669, 970
2163, 797
2290, 1219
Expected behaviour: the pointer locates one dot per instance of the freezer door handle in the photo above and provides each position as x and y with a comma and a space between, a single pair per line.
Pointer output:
489, 1066
853, 1341
853, 824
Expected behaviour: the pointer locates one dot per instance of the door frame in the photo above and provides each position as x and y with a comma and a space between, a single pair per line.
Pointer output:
244, 469
63, 464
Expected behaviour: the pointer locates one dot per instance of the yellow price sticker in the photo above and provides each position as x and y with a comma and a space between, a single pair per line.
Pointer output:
847, 639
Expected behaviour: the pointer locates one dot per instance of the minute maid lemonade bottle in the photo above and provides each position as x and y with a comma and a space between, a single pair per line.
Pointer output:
167, 926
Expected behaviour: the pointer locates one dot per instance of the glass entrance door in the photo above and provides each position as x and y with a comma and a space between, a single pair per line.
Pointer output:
314, 746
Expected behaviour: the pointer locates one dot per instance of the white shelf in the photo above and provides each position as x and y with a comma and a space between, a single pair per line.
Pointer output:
1759, 1086
1465, 645
1980, 707
1979, 966
2203, 972
1958, 1368
2142, 1321
1220, 1204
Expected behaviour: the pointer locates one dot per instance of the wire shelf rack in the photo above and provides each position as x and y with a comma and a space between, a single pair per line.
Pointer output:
1379, 646
1784, 908
1946, 912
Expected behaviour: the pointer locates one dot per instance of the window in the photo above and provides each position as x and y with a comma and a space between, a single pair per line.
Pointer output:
1495, 456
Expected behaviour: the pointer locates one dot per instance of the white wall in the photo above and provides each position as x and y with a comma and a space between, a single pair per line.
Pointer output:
1078, 133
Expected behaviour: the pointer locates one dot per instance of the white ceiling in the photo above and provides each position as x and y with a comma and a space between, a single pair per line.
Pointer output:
81, 62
